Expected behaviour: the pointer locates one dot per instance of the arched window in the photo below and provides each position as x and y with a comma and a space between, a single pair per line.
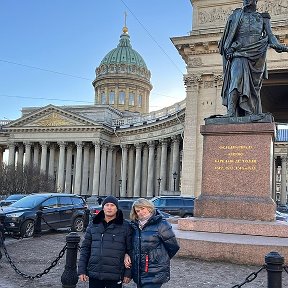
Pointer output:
131, 99
103, 98
139, 100
122, 97
112, 97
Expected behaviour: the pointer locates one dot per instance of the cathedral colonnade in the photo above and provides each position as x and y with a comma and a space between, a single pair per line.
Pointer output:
142, 169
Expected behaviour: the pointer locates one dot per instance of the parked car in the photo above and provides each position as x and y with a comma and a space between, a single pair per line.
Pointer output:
182, 206
59, 211
281, 216
125, 205
11, 199
282, 208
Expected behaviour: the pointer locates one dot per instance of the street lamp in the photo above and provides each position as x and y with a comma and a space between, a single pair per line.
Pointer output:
159, 183
120, 187
175, 177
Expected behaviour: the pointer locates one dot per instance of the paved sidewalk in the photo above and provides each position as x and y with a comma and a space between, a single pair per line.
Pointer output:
33, 255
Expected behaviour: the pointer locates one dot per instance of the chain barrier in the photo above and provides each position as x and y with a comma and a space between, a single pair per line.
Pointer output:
53, 228
286, 269
250, 277
39, 275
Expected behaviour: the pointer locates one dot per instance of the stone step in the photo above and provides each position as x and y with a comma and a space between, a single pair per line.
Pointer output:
233, 248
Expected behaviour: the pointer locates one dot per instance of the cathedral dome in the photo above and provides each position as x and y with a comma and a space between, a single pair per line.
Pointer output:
123, 59
124, 54
123, 79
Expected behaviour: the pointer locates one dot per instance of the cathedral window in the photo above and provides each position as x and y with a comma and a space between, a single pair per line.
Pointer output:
103, 98
122, 97
131, 99
112, 97
139, 100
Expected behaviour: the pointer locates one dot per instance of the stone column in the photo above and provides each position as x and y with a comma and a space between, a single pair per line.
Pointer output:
283, 198
77, 185
20, 157
137, 176
103, 170
96, 170
109, 171
144, 172
175, 163
51, 160
1, 154
163, 172
150, 177
61, 166
27, 156
43, 162
36, 155
114, 165
85, 170
123, 170
91, 169
11, 156
130, 178
68, 175
157, 172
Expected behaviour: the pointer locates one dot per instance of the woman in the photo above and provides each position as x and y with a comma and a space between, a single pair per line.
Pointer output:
154, 244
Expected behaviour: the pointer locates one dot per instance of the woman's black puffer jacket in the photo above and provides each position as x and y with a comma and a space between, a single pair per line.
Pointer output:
153, 247
103, 250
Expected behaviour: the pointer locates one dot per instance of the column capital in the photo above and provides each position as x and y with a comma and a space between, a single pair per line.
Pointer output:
175, 138
138, 146
163, 142
124, 146
62, 144
43, 143
97, 143
79, 144
151, 143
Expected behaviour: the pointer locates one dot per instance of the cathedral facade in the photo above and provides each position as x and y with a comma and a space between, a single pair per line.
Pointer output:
117, 147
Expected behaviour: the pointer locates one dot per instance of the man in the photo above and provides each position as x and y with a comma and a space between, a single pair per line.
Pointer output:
243, 46
106, 241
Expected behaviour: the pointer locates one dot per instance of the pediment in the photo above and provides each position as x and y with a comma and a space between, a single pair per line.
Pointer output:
51, 116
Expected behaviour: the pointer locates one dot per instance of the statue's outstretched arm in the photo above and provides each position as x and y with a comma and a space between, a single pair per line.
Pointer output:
273, 41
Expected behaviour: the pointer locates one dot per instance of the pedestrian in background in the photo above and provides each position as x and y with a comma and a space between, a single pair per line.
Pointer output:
106, 241
154, 244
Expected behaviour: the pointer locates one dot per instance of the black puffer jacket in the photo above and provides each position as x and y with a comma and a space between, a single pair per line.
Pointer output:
153, 247
103, 250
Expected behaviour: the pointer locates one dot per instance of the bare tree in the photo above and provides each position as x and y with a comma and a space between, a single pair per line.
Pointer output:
24, 180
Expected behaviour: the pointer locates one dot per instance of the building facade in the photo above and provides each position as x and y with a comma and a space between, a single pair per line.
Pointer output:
117, 147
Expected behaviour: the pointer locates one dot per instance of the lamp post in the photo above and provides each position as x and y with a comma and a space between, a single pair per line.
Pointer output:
120, 188
175, 177
159, 183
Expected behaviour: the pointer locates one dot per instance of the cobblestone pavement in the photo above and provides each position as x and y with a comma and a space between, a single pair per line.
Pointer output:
33, 255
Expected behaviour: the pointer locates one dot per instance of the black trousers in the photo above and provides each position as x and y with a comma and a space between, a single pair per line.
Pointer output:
95, 283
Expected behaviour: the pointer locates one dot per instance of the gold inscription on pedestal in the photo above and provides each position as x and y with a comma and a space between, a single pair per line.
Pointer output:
236, 159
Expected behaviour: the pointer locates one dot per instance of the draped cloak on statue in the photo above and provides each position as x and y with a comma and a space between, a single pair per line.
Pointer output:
247, 69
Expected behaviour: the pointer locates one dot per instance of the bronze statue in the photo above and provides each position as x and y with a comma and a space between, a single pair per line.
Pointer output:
243, 46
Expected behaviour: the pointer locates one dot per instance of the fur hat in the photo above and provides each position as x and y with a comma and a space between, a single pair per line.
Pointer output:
110, 199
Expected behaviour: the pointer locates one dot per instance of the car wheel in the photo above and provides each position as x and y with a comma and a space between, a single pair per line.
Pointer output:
78, 224
27, 229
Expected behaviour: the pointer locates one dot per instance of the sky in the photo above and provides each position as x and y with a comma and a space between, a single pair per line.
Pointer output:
50, 49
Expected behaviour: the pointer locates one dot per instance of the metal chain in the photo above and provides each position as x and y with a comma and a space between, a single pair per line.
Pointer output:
39, 275
286, 269
250, 277
48, 224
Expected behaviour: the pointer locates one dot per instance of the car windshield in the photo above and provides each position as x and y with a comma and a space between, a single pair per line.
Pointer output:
29, 201
14, 197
